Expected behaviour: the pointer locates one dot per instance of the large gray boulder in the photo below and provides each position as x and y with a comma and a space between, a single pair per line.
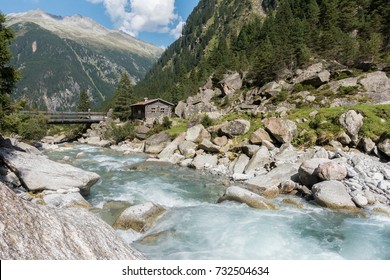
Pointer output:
352, 122
156, 143
377, 86
35, 232
308, 171
14, 144
197, 133
318, 79
208, 146
241, 163
180, 109
231, 83
245, 196
140, 217
258, 160
283, 130
188, 149
384, 146
38, 173
235, 128
333, 195
328, 171
66, 200
204, 161
258, 137
171, 148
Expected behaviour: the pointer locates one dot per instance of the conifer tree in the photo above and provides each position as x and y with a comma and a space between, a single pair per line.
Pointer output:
84, 102
123, 98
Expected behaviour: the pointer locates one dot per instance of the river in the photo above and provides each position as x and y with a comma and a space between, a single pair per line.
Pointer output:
195, 227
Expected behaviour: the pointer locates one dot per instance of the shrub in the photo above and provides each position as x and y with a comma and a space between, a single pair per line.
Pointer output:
206, 121
34, 128
166, 123
120, 133
349, 90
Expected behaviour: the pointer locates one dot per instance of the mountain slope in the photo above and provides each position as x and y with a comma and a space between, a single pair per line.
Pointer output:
58, 57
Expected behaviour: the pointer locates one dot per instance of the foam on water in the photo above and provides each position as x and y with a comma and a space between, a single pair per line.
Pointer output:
194, 227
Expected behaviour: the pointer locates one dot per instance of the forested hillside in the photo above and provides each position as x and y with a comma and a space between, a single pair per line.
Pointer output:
232, 35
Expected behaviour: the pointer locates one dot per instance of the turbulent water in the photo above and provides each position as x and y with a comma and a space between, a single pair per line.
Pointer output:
195, 227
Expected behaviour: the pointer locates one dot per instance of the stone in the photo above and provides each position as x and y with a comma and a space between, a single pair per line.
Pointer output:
367, 144
245, 196
156, 143
36, 232
258, 137
231, 83
187, 149
171, 148
197, 133
377, 86
258, 160
204, 161
306, 74
352, 122
333, 195
284, 131
384, 146
14, 144
360, 200
250, 150
180, 108
241, 163
287, 187
68, 200
318, 79
139, 218
235, 128
384, 185
294, 202
39, 173
221, 141
344, 139
208, 146
370, 197
307, 171
331, 171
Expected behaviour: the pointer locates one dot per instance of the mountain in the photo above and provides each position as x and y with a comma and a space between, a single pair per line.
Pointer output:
267, 40
58, 57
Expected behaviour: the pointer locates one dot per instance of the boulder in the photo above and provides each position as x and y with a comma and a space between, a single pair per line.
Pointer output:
241, 163
318, 79
187, 149
283, 130
333, 195
307, 171
235, 128
352, 122
287, 187
221, 141
180, 109
384, 146
140, 217
156, 143
204, 161
14, 144
67, 200
39, 173
258, 137
344, 138
172, 147
208, 146
197, 133
311, 71
36, 232
245, 196
331, 170
377, 86
250, 150
231, 83
360, 200
367, 145
258, 160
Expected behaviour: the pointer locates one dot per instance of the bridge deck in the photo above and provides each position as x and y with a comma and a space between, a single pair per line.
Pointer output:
70, 117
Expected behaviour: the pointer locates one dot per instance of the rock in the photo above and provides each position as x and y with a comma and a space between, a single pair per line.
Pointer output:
241, 177
293, 202
377, 86
231, 83
68, 200
9, 178
14, 144
333, 195
241, 163
317, 80
311, 71
267, 185
328, 171
287, 187
140, 217
352, 122
245, 196
208, 146
187, 149
360, 200
156, 143
235, 128
384, 146
204, 161
39, 173
367, 144
283, 130
221, 141
250, 150
170, 149
35, 232
197, 133
258, 137
382, 209
271, 89
179, 109
307, 171
344, 139
384, 185
258, 160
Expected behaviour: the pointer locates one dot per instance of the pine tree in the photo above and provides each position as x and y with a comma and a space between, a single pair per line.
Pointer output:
123, 98
84, 103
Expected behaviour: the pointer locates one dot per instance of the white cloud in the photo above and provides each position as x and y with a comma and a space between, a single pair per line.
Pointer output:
134, 16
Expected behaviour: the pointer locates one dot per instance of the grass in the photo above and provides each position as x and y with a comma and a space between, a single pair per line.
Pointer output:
180, 127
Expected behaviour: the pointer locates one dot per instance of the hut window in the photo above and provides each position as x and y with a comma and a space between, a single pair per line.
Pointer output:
153, 110
162, 110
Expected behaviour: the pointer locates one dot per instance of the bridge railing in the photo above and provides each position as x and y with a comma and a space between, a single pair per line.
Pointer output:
69, 117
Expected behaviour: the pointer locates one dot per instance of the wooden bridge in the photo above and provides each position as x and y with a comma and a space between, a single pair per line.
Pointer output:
69, 117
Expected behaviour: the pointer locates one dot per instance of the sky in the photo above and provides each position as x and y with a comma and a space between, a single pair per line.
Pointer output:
155, 21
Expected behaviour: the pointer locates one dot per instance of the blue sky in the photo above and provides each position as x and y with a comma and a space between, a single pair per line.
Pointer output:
155, 21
